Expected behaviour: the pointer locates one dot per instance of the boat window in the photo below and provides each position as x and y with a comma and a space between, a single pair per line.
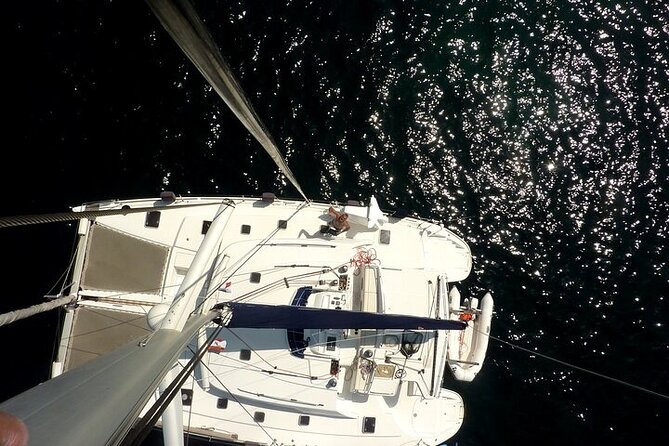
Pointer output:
283, 224
296, 342
222, 403
259, 417
411, 341
302, 296
206, 224
303, 420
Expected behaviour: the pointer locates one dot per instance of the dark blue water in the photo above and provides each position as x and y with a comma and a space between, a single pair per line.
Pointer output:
537, 132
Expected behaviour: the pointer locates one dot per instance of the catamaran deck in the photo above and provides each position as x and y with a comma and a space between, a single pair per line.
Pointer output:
300, 386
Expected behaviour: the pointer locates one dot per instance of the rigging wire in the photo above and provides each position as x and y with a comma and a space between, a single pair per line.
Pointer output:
68, 269
141, 430
275, 371
190, 407
432, 294
575, 367
284, 372
252, 252
60, 319
251, 348
275, 368
280, 283
237, 401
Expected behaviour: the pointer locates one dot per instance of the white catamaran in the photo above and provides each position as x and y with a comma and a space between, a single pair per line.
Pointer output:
256, 319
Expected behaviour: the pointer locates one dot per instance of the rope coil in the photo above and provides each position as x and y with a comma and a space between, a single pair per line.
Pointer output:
362, 258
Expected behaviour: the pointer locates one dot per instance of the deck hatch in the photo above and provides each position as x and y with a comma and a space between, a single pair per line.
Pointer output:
303, 420
244, 354
152, 219
368, 425
206, 224
259, 417
186, 397
246, 229
255, 278
222, 403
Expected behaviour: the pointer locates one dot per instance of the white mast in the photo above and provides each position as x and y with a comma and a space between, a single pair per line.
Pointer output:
182, 306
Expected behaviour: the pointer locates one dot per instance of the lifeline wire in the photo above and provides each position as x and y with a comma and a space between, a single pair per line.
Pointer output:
252, 252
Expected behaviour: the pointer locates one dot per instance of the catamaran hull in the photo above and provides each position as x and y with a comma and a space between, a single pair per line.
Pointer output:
297, 386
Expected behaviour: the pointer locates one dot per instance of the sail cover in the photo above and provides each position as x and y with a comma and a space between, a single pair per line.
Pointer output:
245, 315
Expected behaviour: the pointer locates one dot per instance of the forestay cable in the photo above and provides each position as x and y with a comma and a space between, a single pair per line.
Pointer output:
184, 25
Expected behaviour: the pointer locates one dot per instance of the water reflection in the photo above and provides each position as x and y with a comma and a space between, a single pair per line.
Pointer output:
539, 132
